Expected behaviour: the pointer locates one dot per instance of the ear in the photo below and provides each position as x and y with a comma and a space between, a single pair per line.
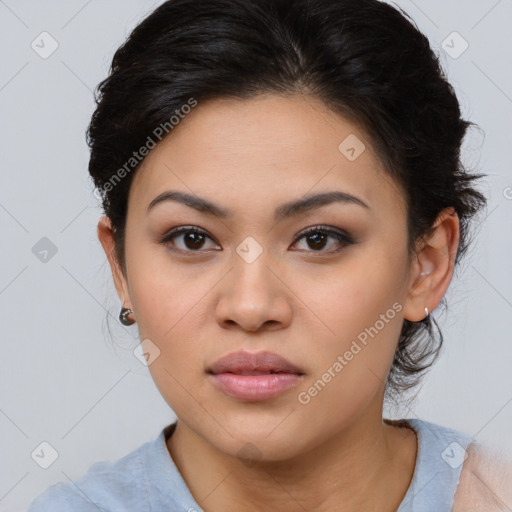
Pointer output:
106, 237
432, 267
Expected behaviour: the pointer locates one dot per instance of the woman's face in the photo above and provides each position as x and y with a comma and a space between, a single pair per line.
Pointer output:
253, 280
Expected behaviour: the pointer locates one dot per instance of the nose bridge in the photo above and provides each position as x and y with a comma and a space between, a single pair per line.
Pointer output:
251, 273
252, 295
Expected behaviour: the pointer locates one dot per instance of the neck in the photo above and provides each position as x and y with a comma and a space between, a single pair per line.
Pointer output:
368, 465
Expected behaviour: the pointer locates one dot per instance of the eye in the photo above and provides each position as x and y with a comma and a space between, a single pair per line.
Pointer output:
190, 239
187, 239
317, 238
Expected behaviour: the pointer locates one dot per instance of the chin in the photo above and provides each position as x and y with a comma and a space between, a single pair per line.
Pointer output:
264, 436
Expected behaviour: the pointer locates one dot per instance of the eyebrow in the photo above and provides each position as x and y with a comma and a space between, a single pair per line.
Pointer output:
284, 211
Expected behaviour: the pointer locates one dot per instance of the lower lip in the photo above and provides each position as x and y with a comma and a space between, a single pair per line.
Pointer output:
253, 388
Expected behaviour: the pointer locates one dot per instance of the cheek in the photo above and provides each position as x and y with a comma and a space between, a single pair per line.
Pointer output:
362, 309
168, 300
166, 295
353, 297
168, 306
351, 367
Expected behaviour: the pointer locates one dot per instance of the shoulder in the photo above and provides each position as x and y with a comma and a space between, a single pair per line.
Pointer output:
485, 482
106, 485
438, 433
439, 459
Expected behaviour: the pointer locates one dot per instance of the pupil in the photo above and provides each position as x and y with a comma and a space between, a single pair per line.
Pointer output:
319, 240
193, 238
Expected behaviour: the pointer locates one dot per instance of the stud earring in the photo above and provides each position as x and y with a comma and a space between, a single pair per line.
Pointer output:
123, 317
426, 313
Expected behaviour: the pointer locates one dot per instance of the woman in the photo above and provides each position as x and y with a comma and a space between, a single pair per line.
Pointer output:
284, 208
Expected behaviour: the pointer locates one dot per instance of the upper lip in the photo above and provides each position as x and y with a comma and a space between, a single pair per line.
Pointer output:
243, 361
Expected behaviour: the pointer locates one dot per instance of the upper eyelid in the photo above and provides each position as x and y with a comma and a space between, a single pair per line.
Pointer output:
319, 227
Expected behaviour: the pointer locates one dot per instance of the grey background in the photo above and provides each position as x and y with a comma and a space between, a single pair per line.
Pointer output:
64, 380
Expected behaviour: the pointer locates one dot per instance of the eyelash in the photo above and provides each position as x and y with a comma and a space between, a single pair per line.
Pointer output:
343, 238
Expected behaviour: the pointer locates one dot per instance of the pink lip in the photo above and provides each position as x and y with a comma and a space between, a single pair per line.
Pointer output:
254, 376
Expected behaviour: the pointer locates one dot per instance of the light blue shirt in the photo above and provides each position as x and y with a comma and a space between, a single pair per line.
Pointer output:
147, 480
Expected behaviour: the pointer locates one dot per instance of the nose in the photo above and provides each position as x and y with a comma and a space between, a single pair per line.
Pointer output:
254, 297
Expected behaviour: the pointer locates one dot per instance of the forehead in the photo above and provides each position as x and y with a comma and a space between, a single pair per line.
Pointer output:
260, 148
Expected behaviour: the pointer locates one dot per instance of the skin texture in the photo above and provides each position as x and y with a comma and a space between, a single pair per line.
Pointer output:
303, 301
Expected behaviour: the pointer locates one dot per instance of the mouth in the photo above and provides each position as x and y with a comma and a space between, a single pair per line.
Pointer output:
262, 372
250, 363
254, 376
